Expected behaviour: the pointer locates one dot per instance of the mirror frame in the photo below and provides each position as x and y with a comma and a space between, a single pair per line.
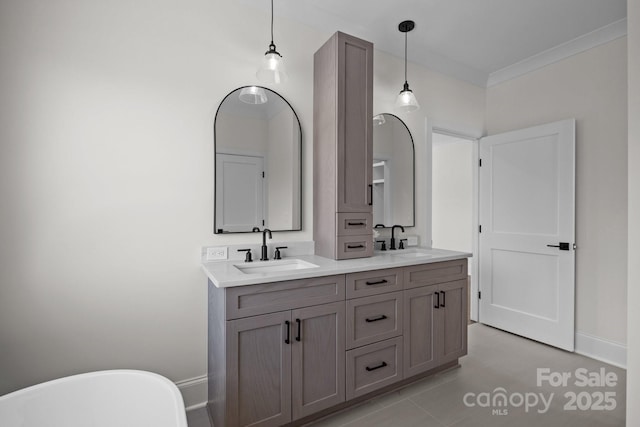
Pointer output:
413, 151
215, 162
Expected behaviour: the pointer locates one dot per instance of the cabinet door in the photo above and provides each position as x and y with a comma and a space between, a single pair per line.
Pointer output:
420, 330
355, 126
318, 358
258, 371
453, 319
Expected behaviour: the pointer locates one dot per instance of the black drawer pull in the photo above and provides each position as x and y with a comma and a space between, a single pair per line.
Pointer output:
379, 282
382, 365
437, 300
443, 294
375, 319
356, 223
299, 324
288, 340
355, 246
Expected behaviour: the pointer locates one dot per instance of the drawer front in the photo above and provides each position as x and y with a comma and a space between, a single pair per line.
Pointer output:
437, 272
251, 300
373, 366
374, 282
372, 319
354, 224
360, 246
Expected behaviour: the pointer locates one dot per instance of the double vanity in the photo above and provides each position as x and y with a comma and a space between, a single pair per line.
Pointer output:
292, 340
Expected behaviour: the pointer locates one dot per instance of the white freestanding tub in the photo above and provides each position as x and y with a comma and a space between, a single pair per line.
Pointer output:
119, 398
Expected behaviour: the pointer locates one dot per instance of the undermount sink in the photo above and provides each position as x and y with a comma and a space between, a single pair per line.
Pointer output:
274, 266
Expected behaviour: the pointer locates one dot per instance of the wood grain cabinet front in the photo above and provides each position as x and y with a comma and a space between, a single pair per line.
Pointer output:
258, 371
284, 353
435, 326
373, 367
285, 366
375, 318
374, 282
343, 145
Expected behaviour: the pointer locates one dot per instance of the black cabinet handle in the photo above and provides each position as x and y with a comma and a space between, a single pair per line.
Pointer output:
379, 282
437, 300
356, 223
443, 294
375, 319
370, 194
355, 246
288, 340
382, 365
299, 324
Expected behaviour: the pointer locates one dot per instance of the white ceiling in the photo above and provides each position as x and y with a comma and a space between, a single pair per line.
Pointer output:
467, 39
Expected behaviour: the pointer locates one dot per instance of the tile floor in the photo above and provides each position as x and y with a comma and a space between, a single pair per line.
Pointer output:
496, 359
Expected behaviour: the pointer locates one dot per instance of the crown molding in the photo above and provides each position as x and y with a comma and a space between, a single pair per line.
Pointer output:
580, 44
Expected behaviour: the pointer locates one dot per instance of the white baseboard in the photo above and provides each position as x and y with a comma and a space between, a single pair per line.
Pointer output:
600, 349
194, 392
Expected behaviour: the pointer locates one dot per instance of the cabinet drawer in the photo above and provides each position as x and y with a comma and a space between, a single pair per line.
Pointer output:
251, 300
354, 224
373, 366
438, 272
374, 282
359, 246
372, 319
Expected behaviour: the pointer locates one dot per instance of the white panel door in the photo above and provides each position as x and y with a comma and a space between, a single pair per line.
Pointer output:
527, 207
239, 201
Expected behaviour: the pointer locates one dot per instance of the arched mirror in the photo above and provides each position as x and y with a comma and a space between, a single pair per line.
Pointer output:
257, 138
393, 172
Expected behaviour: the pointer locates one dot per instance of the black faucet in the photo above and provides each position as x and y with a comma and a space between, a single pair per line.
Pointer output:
392, 244
263, 251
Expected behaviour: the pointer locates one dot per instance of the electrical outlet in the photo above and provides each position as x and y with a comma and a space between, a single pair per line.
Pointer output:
412, 240
216, 253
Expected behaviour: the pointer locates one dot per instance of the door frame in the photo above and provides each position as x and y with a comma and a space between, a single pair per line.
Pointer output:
474, 267
241, 153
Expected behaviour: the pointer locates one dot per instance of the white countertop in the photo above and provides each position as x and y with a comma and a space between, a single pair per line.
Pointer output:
224, 274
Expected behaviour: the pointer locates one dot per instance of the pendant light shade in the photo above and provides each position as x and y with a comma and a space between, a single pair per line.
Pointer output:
379, 120
406, 100
253, 95
272, 69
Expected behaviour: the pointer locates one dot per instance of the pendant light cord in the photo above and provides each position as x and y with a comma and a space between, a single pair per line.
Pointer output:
405, 56
271, 21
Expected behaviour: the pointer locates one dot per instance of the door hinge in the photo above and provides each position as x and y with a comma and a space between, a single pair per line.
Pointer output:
479, 295
480, 163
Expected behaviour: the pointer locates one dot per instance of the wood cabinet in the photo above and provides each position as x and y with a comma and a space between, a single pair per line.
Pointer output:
317, 360
280, 366
343, 147
258, 371
435, 319
281, 352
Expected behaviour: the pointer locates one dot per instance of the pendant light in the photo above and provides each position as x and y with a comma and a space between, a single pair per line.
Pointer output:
253, 95
406, 101
272, 69
378, 120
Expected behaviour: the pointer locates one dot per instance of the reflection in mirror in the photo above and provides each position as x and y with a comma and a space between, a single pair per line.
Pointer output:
393, 172
257, 138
